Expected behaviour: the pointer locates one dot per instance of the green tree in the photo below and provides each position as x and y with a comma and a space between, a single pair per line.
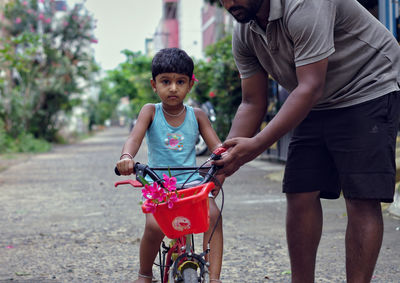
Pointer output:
46, 62
130, 79
219, 82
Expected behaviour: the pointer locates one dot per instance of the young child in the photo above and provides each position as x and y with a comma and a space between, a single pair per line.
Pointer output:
171, 130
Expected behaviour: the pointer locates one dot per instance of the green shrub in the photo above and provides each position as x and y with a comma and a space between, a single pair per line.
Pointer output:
28, 143
23, 143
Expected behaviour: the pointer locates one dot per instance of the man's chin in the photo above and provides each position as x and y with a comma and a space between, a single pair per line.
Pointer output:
242, 20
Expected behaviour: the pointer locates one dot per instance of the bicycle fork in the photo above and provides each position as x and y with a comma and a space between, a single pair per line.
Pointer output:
187, 259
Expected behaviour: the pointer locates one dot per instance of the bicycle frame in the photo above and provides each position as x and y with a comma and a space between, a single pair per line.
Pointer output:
180, 254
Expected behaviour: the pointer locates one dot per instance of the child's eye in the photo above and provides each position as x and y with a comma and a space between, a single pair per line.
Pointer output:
180, 82
165, 82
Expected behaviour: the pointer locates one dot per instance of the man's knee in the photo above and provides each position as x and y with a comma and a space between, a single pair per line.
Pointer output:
358, 208
302, 200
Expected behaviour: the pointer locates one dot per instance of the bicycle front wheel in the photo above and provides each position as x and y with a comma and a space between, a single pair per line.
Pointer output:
190, 276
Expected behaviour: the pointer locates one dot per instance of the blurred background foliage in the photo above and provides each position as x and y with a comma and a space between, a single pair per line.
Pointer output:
218, 82
47, 69
46, 63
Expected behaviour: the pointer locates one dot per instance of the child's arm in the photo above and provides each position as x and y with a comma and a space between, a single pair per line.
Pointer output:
209, 135
126, 163
206, 130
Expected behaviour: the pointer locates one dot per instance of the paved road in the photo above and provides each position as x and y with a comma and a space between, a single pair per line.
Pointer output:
61, 220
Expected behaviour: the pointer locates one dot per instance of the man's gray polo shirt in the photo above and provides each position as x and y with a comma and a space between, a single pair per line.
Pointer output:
364, 57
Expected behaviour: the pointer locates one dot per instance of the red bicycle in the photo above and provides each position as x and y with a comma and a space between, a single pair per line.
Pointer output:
178, 261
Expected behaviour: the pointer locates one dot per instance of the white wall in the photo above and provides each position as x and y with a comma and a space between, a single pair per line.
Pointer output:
190, 27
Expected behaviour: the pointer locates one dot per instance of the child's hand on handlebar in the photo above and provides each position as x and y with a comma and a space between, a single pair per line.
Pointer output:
126, 166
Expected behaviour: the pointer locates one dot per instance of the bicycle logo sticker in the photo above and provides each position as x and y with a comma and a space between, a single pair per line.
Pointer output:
181, 223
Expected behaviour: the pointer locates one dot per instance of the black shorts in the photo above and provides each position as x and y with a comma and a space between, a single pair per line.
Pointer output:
349, 150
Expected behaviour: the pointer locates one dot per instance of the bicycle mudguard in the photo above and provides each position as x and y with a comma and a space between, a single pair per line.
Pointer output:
133, 183
188, 264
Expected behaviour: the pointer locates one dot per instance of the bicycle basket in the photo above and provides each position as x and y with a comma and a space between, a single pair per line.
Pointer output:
189, 215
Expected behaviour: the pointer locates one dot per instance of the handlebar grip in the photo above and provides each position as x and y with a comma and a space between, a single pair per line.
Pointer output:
116, 171
216, 154
219, 150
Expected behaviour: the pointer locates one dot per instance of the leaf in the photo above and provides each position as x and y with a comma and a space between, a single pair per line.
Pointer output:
143, 180
286, 272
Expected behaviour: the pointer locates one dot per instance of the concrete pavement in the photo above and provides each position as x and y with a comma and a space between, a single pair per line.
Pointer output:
61, 220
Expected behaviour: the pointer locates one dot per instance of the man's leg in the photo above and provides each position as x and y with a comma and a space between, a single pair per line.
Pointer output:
363, 239
303, 232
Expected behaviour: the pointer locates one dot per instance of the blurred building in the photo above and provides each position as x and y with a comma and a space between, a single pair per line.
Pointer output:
167, 32
216, 23
183, 25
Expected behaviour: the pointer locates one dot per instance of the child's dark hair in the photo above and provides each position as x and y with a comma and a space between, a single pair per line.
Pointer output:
172, 60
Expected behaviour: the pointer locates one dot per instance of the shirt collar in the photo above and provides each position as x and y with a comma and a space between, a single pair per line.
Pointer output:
275, 12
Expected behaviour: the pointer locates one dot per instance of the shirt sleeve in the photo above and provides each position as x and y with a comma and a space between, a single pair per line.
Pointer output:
311, 27
245, 59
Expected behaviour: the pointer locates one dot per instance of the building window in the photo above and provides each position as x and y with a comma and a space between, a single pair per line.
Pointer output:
170, 9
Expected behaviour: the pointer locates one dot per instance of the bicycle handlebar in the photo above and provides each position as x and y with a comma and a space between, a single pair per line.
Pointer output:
142, 169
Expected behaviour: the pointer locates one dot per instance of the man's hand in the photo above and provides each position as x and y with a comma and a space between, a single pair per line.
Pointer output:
126, 166
240, 151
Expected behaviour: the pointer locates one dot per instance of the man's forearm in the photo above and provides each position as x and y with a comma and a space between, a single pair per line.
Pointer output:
247, 120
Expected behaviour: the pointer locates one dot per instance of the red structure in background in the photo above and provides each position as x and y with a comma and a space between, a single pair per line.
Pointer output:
209, 25
169, 24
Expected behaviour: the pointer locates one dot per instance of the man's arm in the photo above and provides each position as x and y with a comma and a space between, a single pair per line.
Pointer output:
252, 109
311, 83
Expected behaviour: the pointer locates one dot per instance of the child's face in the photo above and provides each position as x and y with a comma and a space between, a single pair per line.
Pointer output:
172, 88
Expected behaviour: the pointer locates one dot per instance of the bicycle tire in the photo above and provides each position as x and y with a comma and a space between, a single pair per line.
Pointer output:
190, 276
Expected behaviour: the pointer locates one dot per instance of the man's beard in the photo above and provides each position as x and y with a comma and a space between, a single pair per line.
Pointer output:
244, 14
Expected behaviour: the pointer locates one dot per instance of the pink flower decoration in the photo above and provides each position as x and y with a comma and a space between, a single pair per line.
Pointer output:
48, 21
41, 16
194, 78
93, 40
65, 24
18, 20
154, 192
169, 183
211, 94
150, 207
41, 1
25, 3
171, 200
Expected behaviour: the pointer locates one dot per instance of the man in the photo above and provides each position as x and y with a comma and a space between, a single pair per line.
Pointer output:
341, 67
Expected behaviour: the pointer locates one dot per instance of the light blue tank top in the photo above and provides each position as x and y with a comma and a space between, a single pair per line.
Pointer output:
173, 146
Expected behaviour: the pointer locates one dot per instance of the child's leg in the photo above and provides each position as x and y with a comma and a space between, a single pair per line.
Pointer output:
217, 241
149, 246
